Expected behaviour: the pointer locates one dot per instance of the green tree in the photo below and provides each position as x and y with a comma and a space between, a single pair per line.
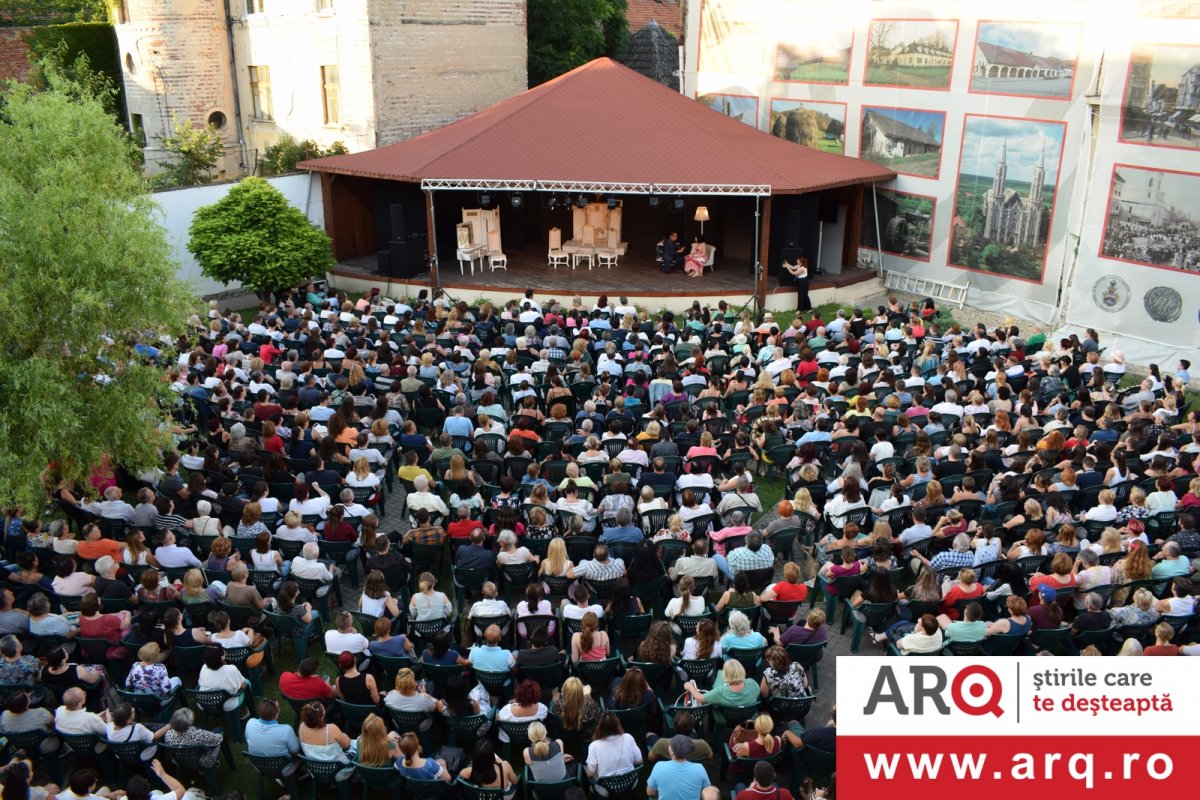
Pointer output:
255, 237
991, 255
34, 12
87, 270
565, 34
283, 156
193, 153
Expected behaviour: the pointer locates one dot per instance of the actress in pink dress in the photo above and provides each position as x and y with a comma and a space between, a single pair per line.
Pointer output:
693, 265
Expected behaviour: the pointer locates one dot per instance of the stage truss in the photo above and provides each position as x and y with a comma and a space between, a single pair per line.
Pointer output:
589, 187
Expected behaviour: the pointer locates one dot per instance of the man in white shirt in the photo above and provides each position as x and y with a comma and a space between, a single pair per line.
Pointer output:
489, 605
111, 507
71, 717
422, 498
170, 555
882, 449
949, 406
700, 483
345, 639
306, 565
352, 508
698, 564
624, 308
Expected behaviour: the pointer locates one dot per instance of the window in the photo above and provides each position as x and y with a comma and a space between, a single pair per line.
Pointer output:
254, 6
260, 92
217, 119
139, 128
330, 92
122, 12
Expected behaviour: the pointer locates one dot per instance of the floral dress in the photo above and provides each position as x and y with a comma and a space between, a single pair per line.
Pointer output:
792, 683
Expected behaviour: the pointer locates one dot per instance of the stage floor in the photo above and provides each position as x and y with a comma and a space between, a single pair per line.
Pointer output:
631, 276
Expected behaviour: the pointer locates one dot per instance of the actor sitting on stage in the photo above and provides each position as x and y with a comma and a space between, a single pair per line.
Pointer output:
670, 253
693, 265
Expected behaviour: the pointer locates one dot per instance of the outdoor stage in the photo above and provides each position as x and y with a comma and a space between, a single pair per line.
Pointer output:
634, 277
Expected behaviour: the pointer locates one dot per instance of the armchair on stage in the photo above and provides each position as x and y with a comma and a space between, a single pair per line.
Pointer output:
555, 255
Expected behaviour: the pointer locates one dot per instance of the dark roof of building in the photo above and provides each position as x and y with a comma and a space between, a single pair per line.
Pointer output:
895, 129
668, 14
604, 123
654, 52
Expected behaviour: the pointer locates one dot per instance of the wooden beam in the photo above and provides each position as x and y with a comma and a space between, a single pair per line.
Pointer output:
764, 246
431, 233
331, 222
853, 234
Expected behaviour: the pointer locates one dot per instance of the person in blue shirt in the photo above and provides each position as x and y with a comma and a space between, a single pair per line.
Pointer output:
679, 778
624, 531
458, 425
266, 737
489, 656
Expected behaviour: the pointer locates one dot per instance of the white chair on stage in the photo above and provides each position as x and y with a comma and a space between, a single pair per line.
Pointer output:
606, 257
712, 256
555, 255
496, 259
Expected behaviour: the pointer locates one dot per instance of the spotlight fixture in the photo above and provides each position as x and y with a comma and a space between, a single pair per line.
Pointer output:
654, 201
551, 202
677, 205
612, 202
581, 201
516, 199
485, 199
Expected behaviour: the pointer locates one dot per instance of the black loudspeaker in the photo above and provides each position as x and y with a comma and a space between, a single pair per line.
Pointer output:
792, 222
791, 254
385, 262
827, 211
406, 259
399, 228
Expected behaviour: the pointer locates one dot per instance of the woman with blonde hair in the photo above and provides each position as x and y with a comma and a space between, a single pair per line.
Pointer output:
802, 502
428, 603
377, 747
574, 706
135, 550
1032, 515
192, 588
589, 643
933, 496
408, 695
1136, 566
556, 564
736, 692
545, 756
674, 530
457, 472
361, 474
648, 502
763, 744
1110, 542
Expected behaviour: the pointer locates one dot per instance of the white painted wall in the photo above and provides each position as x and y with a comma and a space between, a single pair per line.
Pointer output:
178, 206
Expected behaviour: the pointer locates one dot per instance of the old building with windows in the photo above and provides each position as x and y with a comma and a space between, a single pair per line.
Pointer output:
363, 72
1010, 219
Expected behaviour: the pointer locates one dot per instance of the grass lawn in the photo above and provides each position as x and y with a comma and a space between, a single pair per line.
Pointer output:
831, 146
817, 73
924, 164
919, 77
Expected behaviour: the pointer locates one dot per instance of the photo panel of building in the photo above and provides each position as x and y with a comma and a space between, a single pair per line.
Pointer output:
810, 51
1161, 107
743, 107
905, 223
906, 140
910, 53
1026, 59
1153, 218
811, 123
1004, 199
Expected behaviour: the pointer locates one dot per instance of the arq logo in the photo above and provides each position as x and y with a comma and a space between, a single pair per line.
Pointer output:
975, 690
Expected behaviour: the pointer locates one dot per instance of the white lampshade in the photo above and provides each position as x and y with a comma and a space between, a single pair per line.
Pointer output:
701, 214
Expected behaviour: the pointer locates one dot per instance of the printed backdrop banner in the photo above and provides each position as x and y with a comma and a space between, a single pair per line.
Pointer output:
1137, 279
987, 113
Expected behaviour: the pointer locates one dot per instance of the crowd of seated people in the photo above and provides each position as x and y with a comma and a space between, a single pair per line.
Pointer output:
584, 579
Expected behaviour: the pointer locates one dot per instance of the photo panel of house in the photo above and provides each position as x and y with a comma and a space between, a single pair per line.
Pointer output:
731, 37
910, 53
813, 51
1169, 9
905, 223
907, 140
742, 107
1004, 201
1026, 59
1153, 218
811, 123
1161, 106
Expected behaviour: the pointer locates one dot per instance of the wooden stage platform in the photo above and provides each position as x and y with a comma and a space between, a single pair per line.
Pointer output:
632, 276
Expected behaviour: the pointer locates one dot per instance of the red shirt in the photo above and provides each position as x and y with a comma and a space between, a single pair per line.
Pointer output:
755, 793
812, 325
105, 626
955, 594
462, 528
790, 592
298, 688
267, 411
342, 532
1161, 650
273, 444
268, 352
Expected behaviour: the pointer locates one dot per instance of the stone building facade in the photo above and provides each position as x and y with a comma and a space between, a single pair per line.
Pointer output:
363, 72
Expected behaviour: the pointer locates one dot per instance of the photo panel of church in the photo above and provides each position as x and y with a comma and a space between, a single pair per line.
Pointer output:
813, 51
1153, 218
915, 53
907, 140
742, 107
905, 223
1161, 107
811, 123
1026, 59
1004, 200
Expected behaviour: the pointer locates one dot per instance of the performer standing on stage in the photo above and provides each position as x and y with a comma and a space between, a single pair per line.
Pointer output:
799, 273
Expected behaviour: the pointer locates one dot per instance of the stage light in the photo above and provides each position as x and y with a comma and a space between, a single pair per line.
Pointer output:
552, 203
516, 199
654, 201
485, 199
581, 201
677, 205
612, 202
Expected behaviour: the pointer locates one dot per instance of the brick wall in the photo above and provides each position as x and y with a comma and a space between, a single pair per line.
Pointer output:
436, 61
14, 54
